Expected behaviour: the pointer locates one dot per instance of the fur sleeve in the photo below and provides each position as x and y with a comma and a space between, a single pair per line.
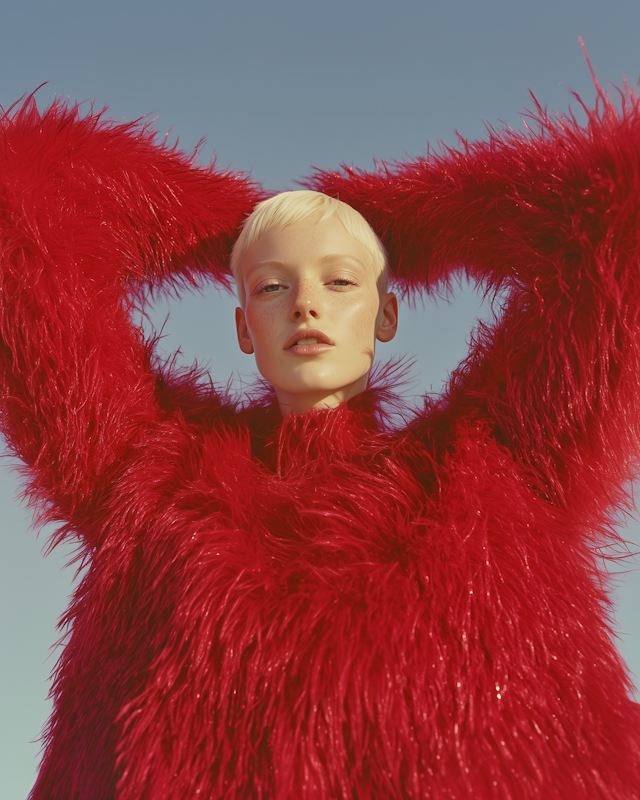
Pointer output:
90, 210
549, 218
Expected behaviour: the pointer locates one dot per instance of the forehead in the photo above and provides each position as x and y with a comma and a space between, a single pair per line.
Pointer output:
306, 243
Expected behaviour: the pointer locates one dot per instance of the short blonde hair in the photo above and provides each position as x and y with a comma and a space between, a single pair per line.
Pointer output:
288, 208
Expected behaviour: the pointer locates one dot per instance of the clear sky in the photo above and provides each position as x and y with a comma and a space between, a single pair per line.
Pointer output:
277, 87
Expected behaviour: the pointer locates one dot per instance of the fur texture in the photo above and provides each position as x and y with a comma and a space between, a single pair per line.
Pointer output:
324, 607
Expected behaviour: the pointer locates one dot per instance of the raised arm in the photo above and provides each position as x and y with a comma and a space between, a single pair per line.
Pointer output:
90, 211
550, 218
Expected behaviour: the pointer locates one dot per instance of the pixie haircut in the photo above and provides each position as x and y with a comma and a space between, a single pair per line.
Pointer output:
288, 208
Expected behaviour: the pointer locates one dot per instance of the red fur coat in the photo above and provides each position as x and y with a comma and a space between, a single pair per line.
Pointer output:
327, 608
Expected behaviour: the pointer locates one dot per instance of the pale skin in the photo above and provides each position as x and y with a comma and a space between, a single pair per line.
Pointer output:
313, 312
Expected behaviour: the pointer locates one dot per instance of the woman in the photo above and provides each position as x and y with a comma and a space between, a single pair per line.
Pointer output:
290, 600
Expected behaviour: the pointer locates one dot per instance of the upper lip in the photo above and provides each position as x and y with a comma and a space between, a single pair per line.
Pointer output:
307, 333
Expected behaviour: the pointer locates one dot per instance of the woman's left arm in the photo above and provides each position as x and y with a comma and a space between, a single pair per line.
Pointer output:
551, 220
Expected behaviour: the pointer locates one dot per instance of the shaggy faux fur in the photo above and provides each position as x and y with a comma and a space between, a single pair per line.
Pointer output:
325, 608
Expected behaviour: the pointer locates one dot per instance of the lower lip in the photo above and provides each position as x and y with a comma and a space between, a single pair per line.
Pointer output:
309, 349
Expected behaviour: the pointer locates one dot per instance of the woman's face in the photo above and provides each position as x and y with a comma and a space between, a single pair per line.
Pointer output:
313, 313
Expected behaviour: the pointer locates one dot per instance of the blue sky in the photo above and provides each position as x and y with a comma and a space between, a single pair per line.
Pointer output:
276, 88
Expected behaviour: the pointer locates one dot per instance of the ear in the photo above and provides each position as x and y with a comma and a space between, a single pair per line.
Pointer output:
387, 318
244, 337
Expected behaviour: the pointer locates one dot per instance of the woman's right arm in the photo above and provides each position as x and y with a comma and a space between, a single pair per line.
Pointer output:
90, 211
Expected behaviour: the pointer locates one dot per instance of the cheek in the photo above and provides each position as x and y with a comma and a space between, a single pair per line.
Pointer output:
361, 319
261, 324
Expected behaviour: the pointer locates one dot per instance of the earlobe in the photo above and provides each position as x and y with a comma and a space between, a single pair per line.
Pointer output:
388, 325
244, 337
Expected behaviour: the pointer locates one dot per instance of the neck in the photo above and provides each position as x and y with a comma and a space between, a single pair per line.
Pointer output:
300, 403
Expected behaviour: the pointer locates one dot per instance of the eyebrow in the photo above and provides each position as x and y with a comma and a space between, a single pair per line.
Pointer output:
272, 262
276, 262
342, 257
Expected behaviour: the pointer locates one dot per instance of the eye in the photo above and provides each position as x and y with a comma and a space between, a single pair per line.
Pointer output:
269, 288
342, 282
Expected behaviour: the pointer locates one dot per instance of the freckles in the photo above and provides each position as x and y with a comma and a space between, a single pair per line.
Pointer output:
261, 321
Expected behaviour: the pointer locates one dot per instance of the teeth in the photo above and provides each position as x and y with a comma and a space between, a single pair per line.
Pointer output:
308, 341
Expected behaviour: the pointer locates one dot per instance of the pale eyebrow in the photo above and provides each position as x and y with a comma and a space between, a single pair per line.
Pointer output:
272, 262
328, 259
342, 257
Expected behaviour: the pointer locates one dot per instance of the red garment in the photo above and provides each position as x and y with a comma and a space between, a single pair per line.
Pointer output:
324, 607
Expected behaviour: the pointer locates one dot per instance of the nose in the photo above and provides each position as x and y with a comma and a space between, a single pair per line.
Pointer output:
305, 302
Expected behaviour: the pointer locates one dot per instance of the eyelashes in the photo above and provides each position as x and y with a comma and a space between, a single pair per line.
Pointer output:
343, 282
270, 288
274, 287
